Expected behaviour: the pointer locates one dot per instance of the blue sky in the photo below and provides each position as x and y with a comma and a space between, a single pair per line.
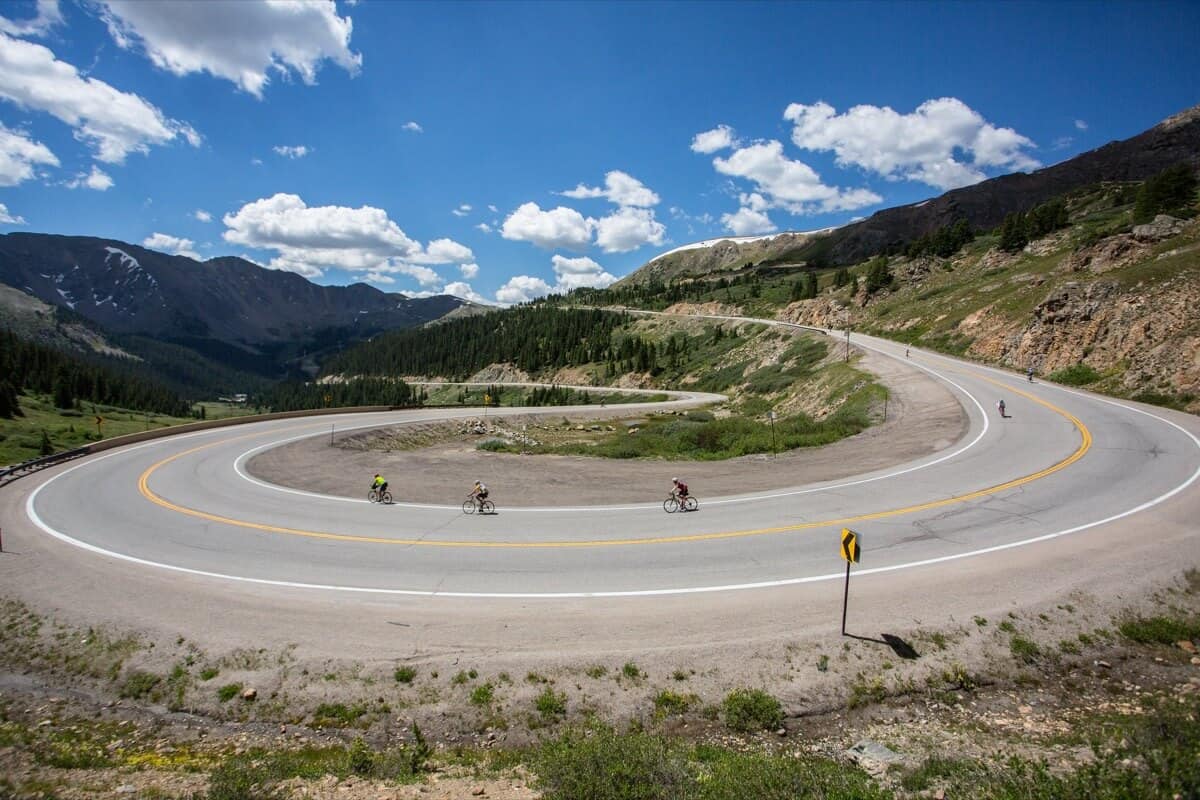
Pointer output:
502, 150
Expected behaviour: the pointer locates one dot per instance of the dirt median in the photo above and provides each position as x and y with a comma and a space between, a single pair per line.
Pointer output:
923, 418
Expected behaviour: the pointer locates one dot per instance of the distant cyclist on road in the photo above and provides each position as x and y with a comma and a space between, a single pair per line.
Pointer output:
679, 489
1000, 406
379, 485
1029, 374
479, 492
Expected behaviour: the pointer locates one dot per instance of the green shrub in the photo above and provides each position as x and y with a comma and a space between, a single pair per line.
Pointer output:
483, 694
1159, 630
599, 764
138, 684
333, 715
1024, 649
749, 710
229, 691
1077, 375
631, 670
667, 702
208, 673
551, 704
404, 674
596, 671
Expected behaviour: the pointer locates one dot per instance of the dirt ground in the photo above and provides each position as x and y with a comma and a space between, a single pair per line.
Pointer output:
922, 418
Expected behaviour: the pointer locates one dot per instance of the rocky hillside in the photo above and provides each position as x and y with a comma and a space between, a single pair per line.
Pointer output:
984, 205
1102, 304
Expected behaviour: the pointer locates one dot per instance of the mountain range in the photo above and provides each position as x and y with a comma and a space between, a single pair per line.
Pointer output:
229, 310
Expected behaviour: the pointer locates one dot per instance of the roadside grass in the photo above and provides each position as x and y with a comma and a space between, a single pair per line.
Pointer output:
21, 437
599, 764
405, 674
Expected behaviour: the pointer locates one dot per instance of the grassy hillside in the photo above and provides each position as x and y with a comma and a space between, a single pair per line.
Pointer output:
21, 437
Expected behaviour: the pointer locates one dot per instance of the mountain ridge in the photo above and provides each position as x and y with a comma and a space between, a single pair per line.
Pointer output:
984, 205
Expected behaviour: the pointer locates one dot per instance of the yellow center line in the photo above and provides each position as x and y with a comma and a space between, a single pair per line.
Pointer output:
1085, 445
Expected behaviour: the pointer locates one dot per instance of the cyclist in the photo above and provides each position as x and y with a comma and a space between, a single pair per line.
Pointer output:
679, 490
1000, 406
1029, 374
379, 485
479, 492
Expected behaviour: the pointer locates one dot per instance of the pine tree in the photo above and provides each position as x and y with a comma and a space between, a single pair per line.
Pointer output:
841, 277
878, 274
9, 404
46, 448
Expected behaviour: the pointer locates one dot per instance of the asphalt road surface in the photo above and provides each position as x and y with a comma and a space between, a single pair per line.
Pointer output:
176, 533
1057, 463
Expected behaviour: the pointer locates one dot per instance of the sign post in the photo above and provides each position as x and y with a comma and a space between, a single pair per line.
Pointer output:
771, 416
850, 552
99, 423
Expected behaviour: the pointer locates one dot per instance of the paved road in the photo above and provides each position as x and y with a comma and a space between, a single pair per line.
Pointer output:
1062, 463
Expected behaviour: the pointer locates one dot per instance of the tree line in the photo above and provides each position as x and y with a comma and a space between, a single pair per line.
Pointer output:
297, 396
69, 380
534, 338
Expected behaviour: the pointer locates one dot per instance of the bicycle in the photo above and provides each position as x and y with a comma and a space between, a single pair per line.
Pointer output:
375, 496
471, 505
673, 504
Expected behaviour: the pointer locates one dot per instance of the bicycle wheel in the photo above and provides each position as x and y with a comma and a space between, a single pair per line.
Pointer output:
386, 498
691, 504
468, 506
372, 496
670, 505
487, 507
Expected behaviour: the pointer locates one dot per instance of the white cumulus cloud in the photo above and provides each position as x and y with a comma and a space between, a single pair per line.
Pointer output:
463, 290
1081, 125
747, 222
929, 145
20, 155
96, 179
468, 271
719, 138
522, 289
620, 188
242, 41
113, 122
461, 211
628, 229
292, 151
202, 215
48, 15
789, 184
483, 226
443, 251
558, 227
166, 243
309, 240
412, 127
9, 219
573, 273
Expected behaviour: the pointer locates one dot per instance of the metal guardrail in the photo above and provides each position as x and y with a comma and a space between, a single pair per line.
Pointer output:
15, 471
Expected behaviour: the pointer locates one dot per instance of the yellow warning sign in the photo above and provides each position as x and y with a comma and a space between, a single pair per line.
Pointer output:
850, 550
487, 399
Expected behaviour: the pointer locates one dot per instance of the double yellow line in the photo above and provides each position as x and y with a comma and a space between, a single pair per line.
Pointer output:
1085, 445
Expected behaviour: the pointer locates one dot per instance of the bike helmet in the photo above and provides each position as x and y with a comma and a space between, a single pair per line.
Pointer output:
674, 480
